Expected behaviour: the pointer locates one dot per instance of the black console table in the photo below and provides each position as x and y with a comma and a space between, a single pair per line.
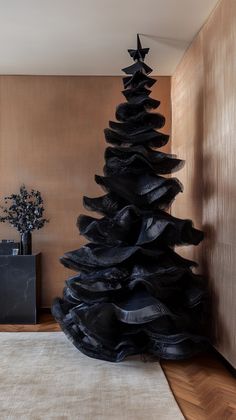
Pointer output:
19, 288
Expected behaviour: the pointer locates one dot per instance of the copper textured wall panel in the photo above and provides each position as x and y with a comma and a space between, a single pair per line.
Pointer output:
51, 138
219, 151
187, 137
204, 87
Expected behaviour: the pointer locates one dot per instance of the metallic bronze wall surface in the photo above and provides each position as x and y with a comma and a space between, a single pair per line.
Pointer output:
204, 133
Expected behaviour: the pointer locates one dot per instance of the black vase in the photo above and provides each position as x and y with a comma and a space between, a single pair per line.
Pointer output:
26, 243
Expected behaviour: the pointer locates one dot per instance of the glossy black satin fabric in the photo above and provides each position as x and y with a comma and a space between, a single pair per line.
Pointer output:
133, 292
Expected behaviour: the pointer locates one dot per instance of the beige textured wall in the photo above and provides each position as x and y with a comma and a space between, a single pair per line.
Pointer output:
204, 133
51, 138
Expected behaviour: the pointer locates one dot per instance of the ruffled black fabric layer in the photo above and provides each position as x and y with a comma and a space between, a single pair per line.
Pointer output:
138, 159
131, 227
144, 190
132, 292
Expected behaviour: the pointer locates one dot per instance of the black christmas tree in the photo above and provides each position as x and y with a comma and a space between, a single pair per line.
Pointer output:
133, 293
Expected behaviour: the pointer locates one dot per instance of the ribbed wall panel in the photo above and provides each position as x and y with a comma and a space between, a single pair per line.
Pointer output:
204, 133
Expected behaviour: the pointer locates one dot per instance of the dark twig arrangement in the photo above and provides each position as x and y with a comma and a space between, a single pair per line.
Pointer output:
133, 292
25, 211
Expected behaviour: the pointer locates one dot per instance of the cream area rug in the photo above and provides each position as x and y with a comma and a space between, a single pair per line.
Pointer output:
43, 376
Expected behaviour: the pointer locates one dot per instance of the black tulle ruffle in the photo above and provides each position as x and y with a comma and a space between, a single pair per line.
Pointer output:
130, 226
97, 331
95, 256
147, 191
126, 111
139, 124
138, 159
171, 285
107, 204
137, 80
149, 137
139, 66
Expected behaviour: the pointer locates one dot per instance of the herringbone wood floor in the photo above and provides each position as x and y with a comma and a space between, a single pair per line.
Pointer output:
203, 386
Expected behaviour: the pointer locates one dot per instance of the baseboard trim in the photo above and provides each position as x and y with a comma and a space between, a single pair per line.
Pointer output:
223, 360
45, 310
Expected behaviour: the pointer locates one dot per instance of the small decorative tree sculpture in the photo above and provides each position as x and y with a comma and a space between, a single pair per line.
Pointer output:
25, 213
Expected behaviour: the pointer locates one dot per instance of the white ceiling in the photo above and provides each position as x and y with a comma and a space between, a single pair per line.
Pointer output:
90, 37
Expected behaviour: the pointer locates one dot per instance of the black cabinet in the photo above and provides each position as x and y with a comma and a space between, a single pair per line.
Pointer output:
19, 288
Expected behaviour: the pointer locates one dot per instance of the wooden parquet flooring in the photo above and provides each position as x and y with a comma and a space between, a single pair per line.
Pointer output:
203, 387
